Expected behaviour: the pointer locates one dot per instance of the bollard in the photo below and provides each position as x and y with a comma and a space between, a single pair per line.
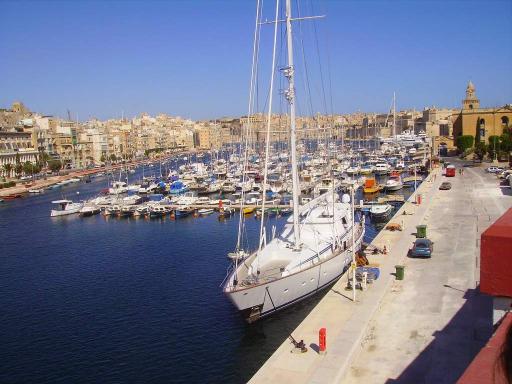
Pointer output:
322, 341
418, 199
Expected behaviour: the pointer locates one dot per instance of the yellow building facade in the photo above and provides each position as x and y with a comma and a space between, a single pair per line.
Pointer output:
481, 122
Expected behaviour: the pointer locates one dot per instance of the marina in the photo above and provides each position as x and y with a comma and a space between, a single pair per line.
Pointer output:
255, 192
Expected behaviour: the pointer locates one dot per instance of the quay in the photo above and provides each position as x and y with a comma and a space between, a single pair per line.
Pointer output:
425, 328
23, 187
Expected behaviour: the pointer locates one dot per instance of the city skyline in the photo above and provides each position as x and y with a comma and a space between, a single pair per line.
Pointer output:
192, 59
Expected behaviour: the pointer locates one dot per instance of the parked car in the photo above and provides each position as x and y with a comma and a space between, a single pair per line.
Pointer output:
493, 169
504, 174
422, 248
445, 186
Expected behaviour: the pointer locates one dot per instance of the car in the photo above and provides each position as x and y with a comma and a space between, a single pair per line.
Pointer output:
422, 247
493, 169
445, 186
504, 174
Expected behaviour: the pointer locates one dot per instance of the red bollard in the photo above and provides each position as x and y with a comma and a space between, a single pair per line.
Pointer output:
322, 340
418, 199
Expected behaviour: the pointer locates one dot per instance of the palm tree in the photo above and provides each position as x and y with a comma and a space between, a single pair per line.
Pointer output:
8, 169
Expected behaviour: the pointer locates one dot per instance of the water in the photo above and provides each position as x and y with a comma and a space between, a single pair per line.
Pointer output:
125, 300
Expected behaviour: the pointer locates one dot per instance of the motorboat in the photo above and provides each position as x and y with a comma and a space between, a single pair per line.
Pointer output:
178, 187
381, 169
65, 207
393, 183
183, 212
141, 211
118, 187
89, 210
127, 210
157, 211
205, 211
380, 211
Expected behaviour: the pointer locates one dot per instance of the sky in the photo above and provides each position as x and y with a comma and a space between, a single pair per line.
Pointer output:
193, 58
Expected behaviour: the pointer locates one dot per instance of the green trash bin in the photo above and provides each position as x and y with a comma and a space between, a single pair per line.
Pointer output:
399, 274
421, 231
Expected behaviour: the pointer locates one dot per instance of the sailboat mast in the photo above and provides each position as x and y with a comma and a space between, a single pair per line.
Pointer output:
290, 96
394, 115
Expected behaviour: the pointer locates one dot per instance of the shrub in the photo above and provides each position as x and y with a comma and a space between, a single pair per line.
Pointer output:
465, 142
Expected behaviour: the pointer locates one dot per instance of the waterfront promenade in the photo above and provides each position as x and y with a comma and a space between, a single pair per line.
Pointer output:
426, 328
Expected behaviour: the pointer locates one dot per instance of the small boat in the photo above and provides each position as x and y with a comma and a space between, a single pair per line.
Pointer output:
113, 210
205, 211
394, 183
65, 207
12, 196
141, 211
381, 169
157, 211
248, 210
380, 211
35, 191
371, 186
89, 210
226, 212
183, 212
127, 211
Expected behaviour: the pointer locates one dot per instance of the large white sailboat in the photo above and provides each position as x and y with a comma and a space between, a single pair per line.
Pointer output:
315, 247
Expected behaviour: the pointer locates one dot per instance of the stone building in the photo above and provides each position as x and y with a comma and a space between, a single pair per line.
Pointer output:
480, 122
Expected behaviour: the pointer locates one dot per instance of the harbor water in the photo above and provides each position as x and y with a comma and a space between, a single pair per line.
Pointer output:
126, 300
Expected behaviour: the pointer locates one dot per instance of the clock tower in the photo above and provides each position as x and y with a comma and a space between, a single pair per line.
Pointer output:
471, 101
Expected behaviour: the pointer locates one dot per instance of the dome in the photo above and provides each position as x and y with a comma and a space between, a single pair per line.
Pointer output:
471, 86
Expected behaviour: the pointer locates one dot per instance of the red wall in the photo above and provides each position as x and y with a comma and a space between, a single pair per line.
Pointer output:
496, 257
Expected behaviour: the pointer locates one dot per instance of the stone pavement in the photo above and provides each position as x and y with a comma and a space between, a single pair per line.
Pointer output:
432, 324
346, 321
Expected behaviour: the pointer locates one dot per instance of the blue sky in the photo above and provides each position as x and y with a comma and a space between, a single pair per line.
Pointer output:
192, 58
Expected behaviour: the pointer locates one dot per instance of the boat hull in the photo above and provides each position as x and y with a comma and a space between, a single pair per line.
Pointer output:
55, 213
262, 300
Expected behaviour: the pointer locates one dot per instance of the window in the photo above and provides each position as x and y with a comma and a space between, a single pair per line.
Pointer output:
504, 122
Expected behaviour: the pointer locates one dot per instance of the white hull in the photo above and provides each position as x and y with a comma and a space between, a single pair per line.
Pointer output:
70, 211
394, 187
261, 300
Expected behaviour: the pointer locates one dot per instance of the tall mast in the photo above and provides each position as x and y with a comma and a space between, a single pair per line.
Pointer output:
290, 96
394, 115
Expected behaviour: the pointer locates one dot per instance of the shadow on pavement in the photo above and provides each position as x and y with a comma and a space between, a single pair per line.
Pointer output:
454, 347
506, 190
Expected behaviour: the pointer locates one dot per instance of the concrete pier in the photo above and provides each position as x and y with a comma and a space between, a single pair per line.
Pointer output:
426, 328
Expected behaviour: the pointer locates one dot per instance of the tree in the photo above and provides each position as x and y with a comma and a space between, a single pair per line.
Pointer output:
28, 168
465, 142
8, 169
480, 149
113, 157
54, 165
102, 158
494, 146
18, 169
43, 158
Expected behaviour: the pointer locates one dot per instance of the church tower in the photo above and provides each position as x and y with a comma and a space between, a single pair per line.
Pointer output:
471, 101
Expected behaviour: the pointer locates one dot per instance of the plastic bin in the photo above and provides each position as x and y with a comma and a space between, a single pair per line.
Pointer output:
399, 274
421, 231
